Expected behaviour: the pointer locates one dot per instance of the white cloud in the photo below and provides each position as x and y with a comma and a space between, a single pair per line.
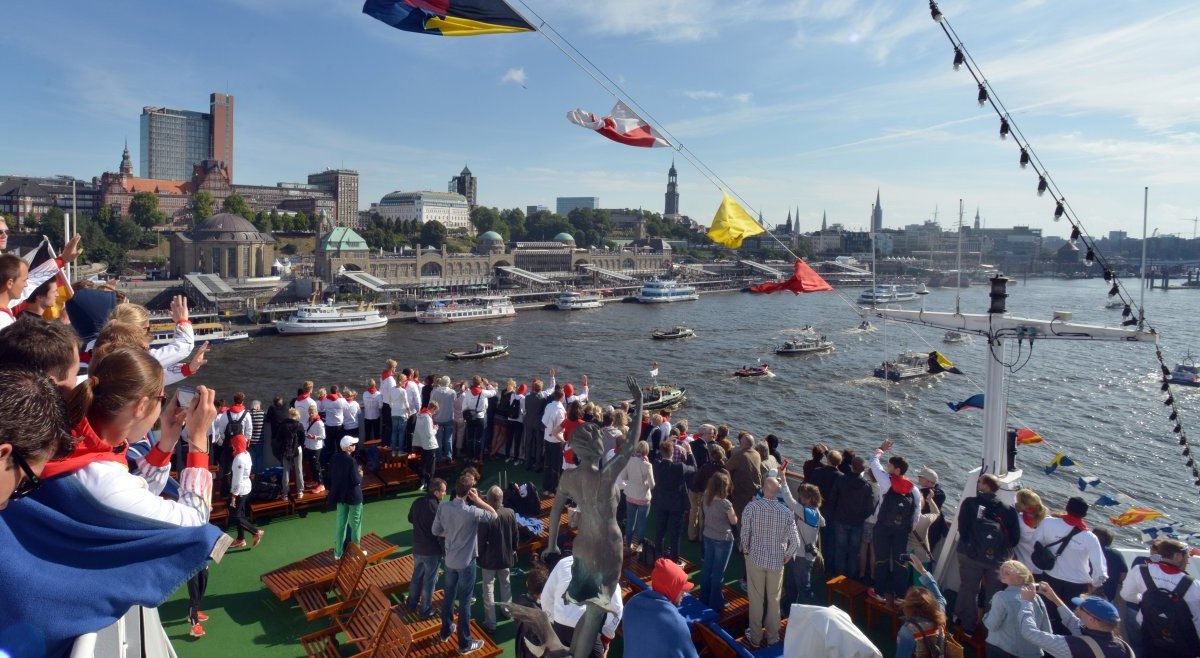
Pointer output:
741, 98
516, 76
703, 94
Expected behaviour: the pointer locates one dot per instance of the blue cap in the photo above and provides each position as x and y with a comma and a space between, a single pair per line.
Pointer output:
1098, 607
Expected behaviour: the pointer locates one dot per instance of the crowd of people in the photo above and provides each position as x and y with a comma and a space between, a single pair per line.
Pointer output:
86, 463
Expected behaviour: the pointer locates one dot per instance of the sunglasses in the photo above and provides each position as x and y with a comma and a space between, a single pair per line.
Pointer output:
29, 484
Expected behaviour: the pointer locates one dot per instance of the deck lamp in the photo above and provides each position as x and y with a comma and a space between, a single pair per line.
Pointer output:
1024, 157
934, 12
1003, 128
958, 58
1114, 290
998, 294
1091, 255
1108, 275
1042, 185
983, 95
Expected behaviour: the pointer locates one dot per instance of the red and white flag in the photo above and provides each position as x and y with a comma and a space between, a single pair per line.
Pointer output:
622, 125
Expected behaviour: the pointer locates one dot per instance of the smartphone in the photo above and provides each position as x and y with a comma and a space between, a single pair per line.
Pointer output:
784, 465
905, 558
185, 395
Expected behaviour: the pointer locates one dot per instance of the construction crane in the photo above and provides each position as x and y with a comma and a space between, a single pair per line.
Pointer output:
1194, 221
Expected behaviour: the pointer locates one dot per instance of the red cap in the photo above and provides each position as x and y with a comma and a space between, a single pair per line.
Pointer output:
568, 390
522, 389
669, 579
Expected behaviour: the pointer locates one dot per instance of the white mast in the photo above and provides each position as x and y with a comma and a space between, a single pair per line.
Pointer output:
996, 325
958, 262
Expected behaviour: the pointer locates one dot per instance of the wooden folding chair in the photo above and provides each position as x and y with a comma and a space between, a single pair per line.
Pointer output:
315, 598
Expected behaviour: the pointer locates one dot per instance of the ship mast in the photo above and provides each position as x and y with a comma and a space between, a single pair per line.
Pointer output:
996, 326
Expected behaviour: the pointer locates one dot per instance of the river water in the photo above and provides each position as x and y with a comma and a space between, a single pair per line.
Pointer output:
1099, 403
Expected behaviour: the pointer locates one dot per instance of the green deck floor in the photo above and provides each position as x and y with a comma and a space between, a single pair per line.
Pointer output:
245, 619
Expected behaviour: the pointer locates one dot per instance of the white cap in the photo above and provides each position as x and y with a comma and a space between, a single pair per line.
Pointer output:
348, 441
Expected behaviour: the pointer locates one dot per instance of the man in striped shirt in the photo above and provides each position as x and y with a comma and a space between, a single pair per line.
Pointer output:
769, 540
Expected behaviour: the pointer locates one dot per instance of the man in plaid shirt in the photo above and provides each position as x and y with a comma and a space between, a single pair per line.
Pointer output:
769, 541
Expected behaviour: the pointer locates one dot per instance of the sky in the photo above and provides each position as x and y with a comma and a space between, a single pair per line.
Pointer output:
792, 103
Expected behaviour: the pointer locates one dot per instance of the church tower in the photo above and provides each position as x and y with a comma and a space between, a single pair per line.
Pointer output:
126, 162
824, 225
977, 218
672, 208
877, 214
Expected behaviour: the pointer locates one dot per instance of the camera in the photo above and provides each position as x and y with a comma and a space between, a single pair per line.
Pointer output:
905, 558
185, 395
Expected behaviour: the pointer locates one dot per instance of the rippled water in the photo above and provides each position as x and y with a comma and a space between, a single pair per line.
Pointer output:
1097, 402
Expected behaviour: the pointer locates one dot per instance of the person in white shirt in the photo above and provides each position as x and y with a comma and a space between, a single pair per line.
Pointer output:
564, 615
1080, 566
425, 440
240, 418
1167, 568
410, 388
304, 401
552, 451
372, 408
444, 396
240, 490
569, 394
314, 430
474, 405
392, 406
350, 422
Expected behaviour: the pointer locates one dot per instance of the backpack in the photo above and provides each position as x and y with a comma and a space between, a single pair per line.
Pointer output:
234, 426
524, 499
1043, 558
1166, 620
504, 406
263, 491
895, 511
988, 542
934, 647
862, 498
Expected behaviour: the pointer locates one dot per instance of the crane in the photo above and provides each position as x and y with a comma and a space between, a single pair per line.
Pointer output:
1195, 221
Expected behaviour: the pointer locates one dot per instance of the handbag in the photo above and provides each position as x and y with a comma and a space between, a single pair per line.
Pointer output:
469, 414
1045, 559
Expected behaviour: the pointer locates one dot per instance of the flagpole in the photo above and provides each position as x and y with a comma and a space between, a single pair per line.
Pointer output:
1145, 216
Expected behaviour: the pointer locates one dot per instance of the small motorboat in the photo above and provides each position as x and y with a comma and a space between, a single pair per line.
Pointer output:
805, 345
1186, 373
955, 337
909, 365
481, 351
678, 331
759, 370
662, 396
865, 326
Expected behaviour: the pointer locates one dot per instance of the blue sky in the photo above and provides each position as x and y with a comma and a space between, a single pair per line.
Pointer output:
793, 103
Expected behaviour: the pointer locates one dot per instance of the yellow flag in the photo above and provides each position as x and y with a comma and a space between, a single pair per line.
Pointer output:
732, 224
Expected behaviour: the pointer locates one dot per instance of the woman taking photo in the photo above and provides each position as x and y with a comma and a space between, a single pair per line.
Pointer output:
719, 521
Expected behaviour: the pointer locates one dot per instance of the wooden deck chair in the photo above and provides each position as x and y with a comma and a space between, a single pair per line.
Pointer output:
324, 599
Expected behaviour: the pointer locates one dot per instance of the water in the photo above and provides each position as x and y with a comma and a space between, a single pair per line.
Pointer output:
1099, 403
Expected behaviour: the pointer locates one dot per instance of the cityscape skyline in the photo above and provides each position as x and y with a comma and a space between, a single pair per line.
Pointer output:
824, 107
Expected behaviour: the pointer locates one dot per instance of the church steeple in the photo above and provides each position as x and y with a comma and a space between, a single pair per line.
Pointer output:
672, 205
977, 218
824, 225
877, 214
126, 161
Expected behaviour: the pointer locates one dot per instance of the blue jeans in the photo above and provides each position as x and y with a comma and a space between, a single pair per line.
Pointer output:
460, 584
635, 522
424, 580
445, 439
396, 440
848, 538
712, 572
797, 585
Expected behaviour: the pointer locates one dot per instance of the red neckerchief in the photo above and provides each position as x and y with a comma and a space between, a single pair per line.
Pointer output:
901, 484
236, 409
349, 398
322, 398
302, 397
223, 410
372, 390
1168, 568
333, 396
476, 390
1074, 522
425, 411
89, 447
386, 374
1030, 518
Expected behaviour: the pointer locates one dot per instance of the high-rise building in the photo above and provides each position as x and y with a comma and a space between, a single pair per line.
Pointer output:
565, 204
343, 185
464, 184
448, 208
672, 208
174, 141
533, 210
876, 214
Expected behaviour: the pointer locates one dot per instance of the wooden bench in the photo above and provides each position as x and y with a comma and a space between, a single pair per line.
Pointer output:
423, 628
285, 581
978, 641
390, 575
850, 590
876, 607
324, 599
372, 485
310, 500
719, 643
219, 516
737, 609
366, 624
269, 508
395, 474
431, 646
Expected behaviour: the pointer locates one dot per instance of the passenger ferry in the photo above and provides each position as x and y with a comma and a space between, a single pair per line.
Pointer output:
886, 294
658, 292
327, 318
479, 308
574, 300
205, 332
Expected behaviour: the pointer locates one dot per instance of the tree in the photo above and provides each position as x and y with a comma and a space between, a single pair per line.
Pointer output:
273, 221
143, 210
234, 203
433, 234
300, 221
201, 206
51, 226
545, 225
487, 219
514, 219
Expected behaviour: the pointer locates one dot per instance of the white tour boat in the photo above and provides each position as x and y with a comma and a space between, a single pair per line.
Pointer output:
327, 318
205, 332
574, 300
886, 294
659, 292
463, 310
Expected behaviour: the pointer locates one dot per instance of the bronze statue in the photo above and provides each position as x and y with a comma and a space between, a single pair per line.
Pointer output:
596, 571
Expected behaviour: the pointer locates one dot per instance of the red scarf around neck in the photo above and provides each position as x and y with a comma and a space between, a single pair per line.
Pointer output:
372, 390
1074, 522
1030, 518
301, 397
333, 396
386, 374
89, 447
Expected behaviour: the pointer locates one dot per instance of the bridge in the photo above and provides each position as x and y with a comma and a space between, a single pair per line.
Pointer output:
525, 274
765, 269
616, 276
368, 281
209, 286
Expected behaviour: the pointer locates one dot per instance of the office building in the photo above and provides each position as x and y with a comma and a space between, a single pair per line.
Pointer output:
464, 184
343, 185
533, 210
448, 208
174, 141
565, 204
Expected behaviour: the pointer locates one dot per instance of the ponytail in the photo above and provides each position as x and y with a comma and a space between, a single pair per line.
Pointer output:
122, 377
80, 400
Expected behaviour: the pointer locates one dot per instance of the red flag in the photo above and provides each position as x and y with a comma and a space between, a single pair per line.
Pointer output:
1028, 437
804, 279
623, 125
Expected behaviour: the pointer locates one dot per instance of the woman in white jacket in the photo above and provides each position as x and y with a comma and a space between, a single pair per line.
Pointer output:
240, 491
425, 440
637, 480
314, 441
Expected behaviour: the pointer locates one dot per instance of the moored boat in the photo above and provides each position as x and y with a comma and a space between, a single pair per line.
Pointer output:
805, 345
574, 300
1186, 373
327, 318
886, 294
678, 331
205, 332
481, 351
909, 365
655, 291
480, 308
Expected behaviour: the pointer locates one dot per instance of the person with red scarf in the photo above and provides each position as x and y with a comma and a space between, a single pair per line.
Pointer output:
893, 523
240, 491
1080, 567
372, 409
425, 440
